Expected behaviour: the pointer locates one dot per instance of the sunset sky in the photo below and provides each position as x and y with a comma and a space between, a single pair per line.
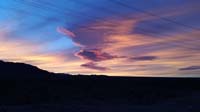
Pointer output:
111, 37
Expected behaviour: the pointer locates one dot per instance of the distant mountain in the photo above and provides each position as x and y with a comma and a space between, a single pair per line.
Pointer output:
21, 71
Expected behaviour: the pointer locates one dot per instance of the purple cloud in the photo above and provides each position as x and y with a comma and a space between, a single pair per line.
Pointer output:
95, 55
144, 58
92, 65
191, 68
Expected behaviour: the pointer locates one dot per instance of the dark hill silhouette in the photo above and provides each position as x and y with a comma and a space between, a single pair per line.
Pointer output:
22, 71
10, 70
93, 90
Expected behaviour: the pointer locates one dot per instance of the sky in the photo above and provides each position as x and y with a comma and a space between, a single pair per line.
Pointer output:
158, 38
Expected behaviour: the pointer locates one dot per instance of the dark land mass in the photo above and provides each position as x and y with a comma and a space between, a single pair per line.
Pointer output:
26, 88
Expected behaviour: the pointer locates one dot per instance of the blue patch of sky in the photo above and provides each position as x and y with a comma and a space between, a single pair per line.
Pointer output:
36, 24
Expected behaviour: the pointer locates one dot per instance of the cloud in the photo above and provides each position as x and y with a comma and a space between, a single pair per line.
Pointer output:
96, 34
66, 32
100, 40
191, 68
144, 58
94, 66
95, 55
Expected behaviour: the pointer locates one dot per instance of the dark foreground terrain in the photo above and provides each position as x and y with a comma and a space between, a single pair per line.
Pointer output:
25, 88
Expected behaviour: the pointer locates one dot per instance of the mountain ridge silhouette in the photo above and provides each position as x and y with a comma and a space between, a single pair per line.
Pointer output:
23, 71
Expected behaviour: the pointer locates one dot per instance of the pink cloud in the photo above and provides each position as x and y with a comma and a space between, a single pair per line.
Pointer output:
66, 32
